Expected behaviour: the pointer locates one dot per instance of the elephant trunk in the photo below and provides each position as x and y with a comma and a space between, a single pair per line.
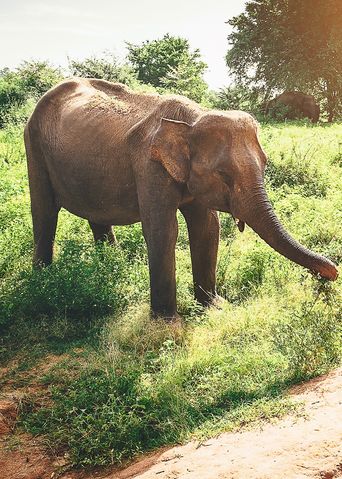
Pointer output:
256, 210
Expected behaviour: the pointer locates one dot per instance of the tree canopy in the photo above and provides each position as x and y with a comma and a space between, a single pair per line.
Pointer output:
106, 67
287, 44
169, 63
30, 80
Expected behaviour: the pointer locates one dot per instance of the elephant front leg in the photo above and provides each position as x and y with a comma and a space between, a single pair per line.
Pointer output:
160, 232
204, 233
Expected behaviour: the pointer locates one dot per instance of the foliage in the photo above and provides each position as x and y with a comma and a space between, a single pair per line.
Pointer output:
11, 93
105, 67
180, 71
169, 63
238, 97
125, 383
286, 44
155, 387
51, 291
279, 111
320, 331
37, 77
186, 79
29, 81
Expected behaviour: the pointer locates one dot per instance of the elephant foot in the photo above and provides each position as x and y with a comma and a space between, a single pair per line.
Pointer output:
217, 302
208, 300
170, 319
173, 324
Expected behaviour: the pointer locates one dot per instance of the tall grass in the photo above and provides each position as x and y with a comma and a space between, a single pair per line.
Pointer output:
144, 383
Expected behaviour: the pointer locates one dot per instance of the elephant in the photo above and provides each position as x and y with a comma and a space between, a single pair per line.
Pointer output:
116, 157
298, 105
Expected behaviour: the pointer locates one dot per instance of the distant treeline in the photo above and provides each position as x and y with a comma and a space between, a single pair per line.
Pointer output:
274, 46
21, 87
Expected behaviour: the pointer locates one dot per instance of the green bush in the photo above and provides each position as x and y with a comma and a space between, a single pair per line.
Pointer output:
238, 97
291, 172
169, 64
37, 77
12, 152
29, 81
11, 94
73, 286
105, 67
310, 334
237, 281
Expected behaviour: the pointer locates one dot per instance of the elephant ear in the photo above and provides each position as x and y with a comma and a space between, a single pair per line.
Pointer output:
170, 146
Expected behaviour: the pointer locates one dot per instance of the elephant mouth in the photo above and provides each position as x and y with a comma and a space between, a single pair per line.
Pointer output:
240, 224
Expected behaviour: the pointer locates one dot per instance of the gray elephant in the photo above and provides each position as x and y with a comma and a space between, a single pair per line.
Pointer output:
292, 105
116, 157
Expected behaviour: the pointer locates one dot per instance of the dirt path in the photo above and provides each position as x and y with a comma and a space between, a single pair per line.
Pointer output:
292, 449
309, 447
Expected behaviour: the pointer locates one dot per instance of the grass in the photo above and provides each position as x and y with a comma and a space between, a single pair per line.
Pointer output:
110, 383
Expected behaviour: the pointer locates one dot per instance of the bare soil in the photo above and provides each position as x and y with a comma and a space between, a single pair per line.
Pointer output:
306, 447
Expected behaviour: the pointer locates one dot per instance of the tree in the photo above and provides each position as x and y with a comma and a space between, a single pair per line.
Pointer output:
30, 80
238, 97
105, 67
287, 44
169, 63
185, 79
37, 77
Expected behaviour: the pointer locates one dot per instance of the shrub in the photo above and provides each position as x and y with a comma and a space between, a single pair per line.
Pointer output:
37, 77
168, 63
30, 80
240, 273
238, 97
292, 173
105, 67
81, 282
309, 334
293, 163
11, 94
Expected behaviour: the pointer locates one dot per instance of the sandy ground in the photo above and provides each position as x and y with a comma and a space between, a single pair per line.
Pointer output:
308, 447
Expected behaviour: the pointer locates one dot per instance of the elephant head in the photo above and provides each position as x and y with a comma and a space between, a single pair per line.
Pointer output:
221, 161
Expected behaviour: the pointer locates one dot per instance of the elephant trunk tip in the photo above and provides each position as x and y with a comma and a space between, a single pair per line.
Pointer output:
327, 270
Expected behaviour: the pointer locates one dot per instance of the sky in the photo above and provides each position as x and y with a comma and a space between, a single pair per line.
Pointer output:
57, 29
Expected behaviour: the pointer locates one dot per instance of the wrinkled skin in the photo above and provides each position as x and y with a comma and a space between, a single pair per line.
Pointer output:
299, 105
115, 157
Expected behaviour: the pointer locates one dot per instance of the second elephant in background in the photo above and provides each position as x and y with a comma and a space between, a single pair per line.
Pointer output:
294, 104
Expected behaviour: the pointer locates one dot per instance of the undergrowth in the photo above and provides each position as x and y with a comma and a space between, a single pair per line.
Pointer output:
126, 384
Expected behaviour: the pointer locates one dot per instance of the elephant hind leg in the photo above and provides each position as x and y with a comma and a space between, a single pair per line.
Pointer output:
44, 219
44, 208
103, 233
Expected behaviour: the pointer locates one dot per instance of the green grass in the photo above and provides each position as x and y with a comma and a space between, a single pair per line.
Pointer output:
124, 384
